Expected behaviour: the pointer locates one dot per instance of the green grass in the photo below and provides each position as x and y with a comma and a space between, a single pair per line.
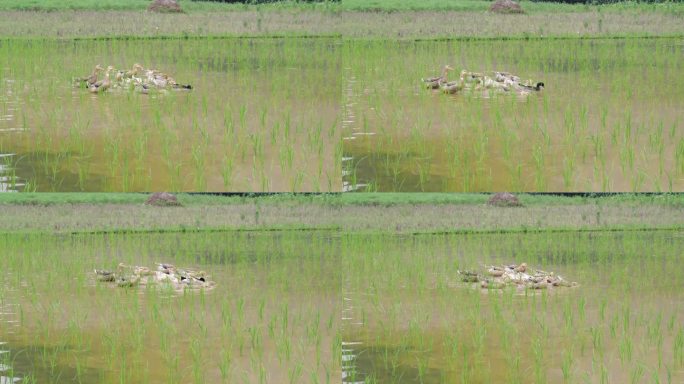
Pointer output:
384, 20
344, 5
259, 135
528, 6
600, 124
253, 323
410, 315
340, 199
350, 213
398, 198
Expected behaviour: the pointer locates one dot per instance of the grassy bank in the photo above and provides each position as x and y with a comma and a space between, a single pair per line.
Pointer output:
344, 199
357, 213
343, 5
542, 20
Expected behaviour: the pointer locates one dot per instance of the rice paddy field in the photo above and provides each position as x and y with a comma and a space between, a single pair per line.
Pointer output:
262, 116
357, 287
608, 119
408, 317
362, 288
271, 318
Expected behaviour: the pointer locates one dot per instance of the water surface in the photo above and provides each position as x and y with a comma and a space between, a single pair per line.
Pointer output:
262, 116
609, 119
272, 317
408, 318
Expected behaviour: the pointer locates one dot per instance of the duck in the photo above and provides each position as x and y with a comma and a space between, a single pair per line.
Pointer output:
538, 87
436, 82
128, 281
471, 77
166, 268
103, 84
469, 276
142, 271
540, 285
104, 275
489, 83
495, 271
181, 86
189, 276
452, 87
503, 77
134, 71
92, 78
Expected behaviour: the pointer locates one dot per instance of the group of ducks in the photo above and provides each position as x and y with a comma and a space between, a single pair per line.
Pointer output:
164, 274
499, 81
519, 276
137, 78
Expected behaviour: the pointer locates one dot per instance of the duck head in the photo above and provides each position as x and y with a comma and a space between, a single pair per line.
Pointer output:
540, 86
137, 68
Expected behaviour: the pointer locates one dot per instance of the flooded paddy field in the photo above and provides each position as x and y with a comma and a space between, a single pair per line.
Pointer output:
609, 118
271, 318
409, 318
262, 116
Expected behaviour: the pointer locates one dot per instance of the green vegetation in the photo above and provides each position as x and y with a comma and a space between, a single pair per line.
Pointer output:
351, 213
66, 139
408, 316
394, 19
336, 6
342, 199
258, 325
606, 121
296, 97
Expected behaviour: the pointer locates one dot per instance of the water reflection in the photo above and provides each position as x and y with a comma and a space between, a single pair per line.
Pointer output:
9, 182
251, 122
420, 323
592, 128
351, 374
9, 324
259, 322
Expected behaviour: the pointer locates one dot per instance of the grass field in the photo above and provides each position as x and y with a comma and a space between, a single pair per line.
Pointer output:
409, 317
343, 5
363, 286
352, 213
348, 18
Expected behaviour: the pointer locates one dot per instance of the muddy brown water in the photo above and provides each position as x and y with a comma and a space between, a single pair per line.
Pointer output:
409, 319
272, 316
609, 119
262, 116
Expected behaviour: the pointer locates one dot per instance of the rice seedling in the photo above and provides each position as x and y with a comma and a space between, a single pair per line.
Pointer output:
73, 329
227, 133
598, 125
422, 324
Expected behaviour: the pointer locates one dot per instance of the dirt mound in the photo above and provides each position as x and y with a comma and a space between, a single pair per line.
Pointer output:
506, 6
163, 199
504, 199
168, 6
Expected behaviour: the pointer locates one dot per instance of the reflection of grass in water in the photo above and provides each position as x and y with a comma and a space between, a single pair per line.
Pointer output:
417, 316
40, 364
258, 324
596, 126
226, 133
